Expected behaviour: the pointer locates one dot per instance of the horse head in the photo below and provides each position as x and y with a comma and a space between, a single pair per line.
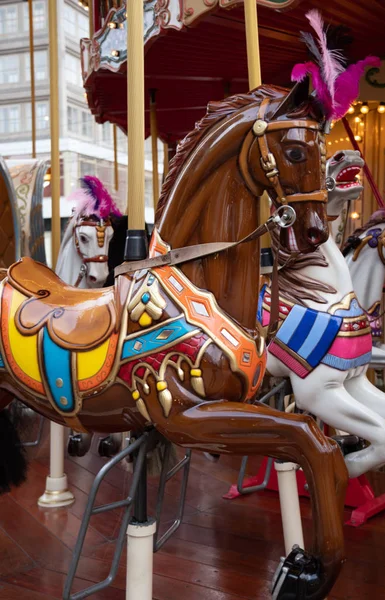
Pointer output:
342, 183
83, 258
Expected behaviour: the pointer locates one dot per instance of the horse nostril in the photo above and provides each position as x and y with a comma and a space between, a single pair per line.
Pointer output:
315, 236
92, 278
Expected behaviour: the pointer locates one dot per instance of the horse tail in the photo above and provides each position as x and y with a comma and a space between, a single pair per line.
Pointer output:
13, 460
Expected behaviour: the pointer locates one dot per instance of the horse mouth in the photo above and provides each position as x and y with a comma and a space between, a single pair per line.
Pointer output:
347, 178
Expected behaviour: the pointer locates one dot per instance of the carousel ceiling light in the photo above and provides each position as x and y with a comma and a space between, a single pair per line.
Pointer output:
358, 138
347, 139
329, 143
381, 108
357, 119
351, 110
364, 108
355, 215
115, 52
341, 139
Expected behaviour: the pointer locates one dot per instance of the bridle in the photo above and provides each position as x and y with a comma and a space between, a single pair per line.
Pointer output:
372, 240
259, 132
100, 226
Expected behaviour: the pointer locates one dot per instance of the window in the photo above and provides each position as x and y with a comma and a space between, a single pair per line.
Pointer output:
69, 20
86, 124
106, 132
73, 119
76, 24
39, 16
42, 116
87, 168
41, 66
73, 70
10, 119
83, 26
8, 19
9, 68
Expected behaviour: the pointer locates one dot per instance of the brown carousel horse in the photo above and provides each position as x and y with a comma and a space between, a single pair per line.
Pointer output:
157, 349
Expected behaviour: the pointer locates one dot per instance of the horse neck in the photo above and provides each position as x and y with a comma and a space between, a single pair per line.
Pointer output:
68, 262
368, 274
210, 202
336, 274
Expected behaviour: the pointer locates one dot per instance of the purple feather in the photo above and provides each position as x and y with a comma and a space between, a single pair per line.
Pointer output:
93, 199
347, 85
300, 71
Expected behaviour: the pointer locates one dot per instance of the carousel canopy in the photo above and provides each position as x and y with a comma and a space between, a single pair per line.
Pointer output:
195, 51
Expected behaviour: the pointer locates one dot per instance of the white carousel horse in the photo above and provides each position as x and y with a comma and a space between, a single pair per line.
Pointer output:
324, 343
83, 262
365, 257
83, 256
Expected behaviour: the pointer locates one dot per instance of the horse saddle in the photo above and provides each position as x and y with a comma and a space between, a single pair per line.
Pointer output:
76, 319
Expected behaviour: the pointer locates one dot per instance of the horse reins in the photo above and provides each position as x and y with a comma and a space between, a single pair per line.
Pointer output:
98, 258
259, 132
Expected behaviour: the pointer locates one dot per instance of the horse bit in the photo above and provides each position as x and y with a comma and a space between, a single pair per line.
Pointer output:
98, 258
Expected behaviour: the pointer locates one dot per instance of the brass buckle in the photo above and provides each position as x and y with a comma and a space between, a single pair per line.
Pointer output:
269, 165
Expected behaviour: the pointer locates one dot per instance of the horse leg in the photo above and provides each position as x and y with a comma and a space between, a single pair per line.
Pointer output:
234, 428
365, 392
323, 394
13, 463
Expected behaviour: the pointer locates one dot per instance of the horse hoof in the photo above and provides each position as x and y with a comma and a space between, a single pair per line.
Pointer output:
77, 446
108, 447
297, 577
349, 443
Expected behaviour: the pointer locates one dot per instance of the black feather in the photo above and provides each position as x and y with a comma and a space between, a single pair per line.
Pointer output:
310, 42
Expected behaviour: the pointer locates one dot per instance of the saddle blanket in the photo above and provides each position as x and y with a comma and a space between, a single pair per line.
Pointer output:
340, 338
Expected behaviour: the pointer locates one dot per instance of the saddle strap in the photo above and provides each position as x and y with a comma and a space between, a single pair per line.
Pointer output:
182, 255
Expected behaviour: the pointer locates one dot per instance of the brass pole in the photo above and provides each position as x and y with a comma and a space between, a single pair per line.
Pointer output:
135, 115
32, 69
252, 42
255, 79
91, 17
55, 132
116, 166
165, 160
154, 147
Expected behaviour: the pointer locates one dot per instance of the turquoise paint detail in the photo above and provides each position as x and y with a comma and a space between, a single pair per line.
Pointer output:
154, 340
57, 364
2, 366
146, 298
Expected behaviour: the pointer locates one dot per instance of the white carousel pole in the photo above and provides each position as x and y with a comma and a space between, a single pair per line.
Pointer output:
290, 508
139, 534
56, 492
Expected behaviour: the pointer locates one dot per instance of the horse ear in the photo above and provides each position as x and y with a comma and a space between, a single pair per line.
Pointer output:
299, 94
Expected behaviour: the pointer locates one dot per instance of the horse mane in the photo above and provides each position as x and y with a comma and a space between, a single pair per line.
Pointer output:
216, 111
293, 285
377, 218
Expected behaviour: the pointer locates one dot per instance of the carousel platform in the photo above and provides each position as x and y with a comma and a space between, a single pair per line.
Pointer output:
224, 550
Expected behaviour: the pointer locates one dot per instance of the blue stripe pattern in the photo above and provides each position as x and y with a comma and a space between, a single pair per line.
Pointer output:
155, 339
309, 333
57, 364
344, 364
260, 302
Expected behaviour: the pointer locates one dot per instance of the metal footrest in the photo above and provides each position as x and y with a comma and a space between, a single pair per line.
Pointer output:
139, 448
166, 475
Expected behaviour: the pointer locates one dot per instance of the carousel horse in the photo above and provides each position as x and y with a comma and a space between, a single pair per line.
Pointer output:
83, 262
157, 349
365, 257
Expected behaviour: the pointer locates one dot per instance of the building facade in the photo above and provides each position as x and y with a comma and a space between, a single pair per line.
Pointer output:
85, 146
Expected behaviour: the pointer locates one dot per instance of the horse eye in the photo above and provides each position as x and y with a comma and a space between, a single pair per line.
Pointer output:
296, 154
84, 239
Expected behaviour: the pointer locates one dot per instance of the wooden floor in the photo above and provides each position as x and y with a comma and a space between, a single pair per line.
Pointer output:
224, 550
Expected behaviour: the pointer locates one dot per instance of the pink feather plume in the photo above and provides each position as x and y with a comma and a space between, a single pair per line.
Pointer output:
331, 59
301, 70
347, 85
93, 199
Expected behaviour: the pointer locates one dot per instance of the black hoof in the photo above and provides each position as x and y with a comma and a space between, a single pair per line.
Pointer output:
77, 445
108, 447
349, 443
298, 576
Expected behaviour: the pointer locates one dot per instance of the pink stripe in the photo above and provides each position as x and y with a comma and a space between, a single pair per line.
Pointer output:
288, 360
347, 347
265, 317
